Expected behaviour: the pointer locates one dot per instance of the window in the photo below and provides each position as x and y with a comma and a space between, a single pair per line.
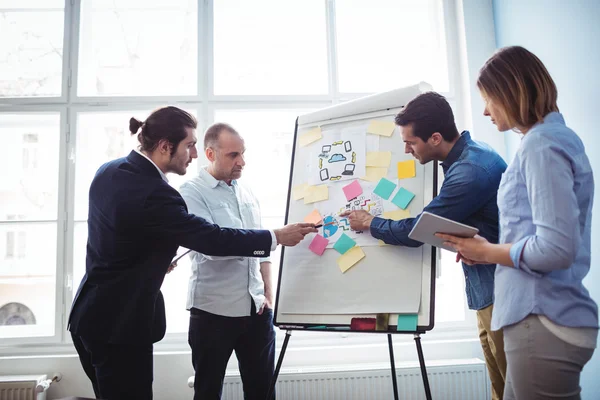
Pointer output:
29, 199
31, 52
138, 48
397, 43
270, 47
256, 65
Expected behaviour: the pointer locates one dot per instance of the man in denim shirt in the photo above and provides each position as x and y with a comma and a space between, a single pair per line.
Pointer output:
472, 173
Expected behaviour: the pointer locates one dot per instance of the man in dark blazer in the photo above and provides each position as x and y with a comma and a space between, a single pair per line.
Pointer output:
136, 223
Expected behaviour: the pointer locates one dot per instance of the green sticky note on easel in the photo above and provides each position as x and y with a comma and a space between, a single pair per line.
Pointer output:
407, 322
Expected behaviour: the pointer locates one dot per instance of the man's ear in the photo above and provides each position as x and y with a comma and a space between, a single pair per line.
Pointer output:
164, 146
436, 138
210, 154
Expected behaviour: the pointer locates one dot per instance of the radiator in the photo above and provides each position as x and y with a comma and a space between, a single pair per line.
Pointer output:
449, 382
21, 387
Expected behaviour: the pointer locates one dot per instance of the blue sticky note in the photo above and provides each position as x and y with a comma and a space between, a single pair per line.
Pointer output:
403, 198
407, 322
344, 243
384, 188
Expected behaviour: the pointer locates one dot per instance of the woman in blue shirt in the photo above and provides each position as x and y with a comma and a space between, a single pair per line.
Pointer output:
545, 201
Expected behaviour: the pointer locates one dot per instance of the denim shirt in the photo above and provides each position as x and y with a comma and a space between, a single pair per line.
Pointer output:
472, 173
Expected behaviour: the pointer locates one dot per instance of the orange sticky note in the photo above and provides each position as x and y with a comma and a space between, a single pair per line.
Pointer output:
313, 218
406, 169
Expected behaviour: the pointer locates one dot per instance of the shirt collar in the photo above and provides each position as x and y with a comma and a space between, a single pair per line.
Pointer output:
211, 180
162, 174
456, 150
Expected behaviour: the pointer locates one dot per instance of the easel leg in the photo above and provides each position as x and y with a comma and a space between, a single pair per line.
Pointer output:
393, 366
278, 367
423, 369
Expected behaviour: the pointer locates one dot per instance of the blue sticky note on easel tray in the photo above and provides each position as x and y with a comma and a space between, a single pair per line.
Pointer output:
407, 322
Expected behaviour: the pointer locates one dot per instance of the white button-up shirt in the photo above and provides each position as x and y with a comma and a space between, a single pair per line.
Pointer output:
224, 285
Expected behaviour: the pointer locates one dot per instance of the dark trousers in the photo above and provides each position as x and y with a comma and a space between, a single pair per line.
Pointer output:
213, 338
117, 371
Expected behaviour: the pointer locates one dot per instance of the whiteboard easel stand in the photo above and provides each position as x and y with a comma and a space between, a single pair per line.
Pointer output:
417, 337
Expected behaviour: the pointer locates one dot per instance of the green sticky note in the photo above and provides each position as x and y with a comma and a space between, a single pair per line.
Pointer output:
407, 322
344, 243
384, 188
403, 198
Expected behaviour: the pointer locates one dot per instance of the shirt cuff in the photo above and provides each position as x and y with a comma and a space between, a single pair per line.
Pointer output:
516, 250
377, 229
265, 259
273, 240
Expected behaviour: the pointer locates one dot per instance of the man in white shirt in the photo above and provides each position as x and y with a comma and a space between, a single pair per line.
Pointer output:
230, 298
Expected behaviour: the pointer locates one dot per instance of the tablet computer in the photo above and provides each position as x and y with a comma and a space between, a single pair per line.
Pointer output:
429, 224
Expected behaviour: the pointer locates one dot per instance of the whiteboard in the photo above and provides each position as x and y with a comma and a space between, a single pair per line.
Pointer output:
312, 290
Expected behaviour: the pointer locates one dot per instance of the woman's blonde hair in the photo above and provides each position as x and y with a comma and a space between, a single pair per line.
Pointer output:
516, 81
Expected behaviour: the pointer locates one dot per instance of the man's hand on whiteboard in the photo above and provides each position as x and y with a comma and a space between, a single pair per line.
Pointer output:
292, 234
360, 220
470, 250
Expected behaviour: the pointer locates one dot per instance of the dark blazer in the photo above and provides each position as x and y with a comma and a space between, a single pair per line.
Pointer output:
136, 222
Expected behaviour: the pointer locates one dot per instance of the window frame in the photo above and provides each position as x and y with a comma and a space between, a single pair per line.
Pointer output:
69, 104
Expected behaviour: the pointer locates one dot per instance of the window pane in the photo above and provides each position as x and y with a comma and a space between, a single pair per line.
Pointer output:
102, 137
27, 279
270, 47
138, 48
29, 184
31, 50
386, 44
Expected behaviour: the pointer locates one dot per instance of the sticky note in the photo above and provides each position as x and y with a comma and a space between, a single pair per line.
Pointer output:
316, 193
383, 128
396, 215
344, 243
379, 158
311, 136
407, 322
318, 245
298, 191
381, 243
403, 198
384, 188
313, 218
406, 169
352, 190
348, 260
374, 174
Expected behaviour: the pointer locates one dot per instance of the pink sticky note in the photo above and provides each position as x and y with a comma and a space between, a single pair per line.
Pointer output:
318, 245
352, 190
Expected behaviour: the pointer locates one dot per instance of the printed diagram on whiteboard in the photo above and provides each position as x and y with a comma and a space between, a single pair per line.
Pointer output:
338, 159
334, 225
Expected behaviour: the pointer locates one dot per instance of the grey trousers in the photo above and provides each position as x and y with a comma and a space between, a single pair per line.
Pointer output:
539, 364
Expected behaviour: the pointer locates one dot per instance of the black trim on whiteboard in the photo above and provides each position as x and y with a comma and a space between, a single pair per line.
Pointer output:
421, 329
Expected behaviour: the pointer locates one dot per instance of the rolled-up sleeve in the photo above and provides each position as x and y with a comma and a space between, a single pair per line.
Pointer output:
549, 179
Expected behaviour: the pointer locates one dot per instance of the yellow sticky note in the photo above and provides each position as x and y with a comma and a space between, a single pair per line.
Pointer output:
313, 218
316, 193
374, 174
350, 258
311, 136
298, 191
396, 215
406, 169
382, 243
383, 128
379, 158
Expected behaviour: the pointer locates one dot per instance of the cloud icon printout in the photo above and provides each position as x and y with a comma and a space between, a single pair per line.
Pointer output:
337, 158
